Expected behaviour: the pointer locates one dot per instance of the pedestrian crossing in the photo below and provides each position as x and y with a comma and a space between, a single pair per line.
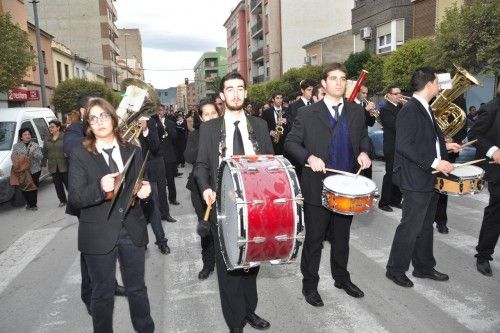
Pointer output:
182, 303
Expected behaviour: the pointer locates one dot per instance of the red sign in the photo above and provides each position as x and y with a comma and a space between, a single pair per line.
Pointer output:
20, 95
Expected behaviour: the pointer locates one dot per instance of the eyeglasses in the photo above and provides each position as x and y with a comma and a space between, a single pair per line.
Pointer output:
105, 116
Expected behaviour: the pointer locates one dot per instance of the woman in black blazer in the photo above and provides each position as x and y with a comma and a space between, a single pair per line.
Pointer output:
103, 237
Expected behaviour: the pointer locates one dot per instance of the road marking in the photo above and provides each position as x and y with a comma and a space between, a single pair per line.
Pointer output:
22, 252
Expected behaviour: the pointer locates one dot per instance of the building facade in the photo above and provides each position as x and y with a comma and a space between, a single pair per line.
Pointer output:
88, 28
63, 62
130, 46
181, 98
335, 48
236, 27
211, 65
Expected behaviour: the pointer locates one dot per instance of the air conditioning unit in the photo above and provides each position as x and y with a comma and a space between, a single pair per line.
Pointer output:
307, 60
366, 33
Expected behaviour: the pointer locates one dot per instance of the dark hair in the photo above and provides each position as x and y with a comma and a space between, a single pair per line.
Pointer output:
316, 89
277, 93
55, 122
231, 76
22, 130
304, 84
84, 98
90, 139
333, 67
472, 106
73, 116
421, 77
392, 86
204, 102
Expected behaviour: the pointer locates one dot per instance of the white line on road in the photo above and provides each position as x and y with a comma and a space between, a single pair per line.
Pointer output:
22, 252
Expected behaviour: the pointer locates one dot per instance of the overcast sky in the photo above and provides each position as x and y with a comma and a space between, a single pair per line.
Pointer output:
175, 34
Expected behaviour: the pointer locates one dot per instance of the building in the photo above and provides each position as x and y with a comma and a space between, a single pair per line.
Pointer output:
128, 68
381, 26
191, 96
167, 96
211, 65
130, 45
181, 98
88, 28
237, 55
334, 48
63, 62
427, 15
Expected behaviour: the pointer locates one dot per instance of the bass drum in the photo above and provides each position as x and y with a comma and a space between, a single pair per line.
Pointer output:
259, 211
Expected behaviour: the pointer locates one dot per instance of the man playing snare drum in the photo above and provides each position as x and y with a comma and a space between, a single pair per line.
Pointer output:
329, 134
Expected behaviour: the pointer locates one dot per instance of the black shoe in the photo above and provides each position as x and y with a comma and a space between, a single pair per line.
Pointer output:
350, 288
164, 248
484, 268
175, 203
400, 279
178, 174
257, 322
396, 205
120, 291
204, 273
442, 229
386, 208
236, 330
168, 218
312, 297
433, 275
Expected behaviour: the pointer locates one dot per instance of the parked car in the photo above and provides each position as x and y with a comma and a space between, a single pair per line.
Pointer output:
376, 134
11, 121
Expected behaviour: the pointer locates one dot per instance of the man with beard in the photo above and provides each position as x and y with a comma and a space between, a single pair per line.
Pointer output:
237, 288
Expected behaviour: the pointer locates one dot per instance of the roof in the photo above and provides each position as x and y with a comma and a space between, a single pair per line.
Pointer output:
322, 40
14, 114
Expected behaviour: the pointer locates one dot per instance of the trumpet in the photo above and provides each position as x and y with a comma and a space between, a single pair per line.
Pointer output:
374, 113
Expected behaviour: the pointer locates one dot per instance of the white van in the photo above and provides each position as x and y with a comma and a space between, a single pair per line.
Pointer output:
11, 120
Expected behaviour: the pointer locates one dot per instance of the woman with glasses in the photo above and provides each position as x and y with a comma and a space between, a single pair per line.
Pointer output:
110, 230
56, 160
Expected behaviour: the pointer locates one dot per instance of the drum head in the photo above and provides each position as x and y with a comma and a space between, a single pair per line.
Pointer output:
228, 218
349, 185
468, 171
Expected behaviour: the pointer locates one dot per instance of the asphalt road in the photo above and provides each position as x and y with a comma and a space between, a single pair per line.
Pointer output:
40, 278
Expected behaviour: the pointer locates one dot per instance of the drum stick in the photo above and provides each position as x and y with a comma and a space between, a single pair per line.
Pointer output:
491, 162
337, 171
458, 165
207, 213
466, 144
359, 171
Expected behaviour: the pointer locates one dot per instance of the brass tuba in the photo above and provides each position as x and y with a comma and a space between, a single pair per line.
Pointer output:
450, 117
139, 99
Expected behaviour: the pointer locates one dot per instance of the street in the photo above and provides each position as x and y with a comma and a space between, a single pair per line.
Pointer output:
40, 277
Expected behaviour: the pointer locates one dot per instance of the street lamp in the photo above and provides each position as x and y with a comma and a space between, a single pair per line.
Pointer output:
125, 35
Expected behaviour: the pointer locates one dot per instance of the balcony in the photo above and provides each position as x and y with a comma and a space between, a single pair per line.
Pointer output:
257, 54
258, 78
255, 5
256, 28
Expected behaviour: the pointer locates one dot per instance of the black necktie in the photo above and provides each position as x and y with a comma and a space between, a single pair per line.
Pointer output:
308, 103
113, 167
336, 108
238, 148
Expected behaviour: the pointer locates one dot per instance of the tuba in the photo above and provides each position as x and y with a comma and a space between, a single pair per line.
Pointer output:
449, 117
139, 100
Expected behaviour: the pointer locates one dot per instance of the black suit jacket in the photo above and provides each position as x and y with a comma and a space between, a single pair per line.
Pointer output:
293, 110
487, 130
388, 115
268, 116
311, 135
416, 148
207, 161
97, 234
155, 167
167, 135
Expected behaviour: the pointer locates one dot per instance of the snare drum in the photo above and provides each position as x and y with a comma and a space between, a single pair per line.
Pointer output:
259, 211
348, 195
462, 181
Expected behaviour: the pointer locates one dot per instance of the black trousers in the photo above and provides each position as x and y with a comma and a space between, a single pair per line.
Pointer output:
31, 196
237, 289
490, 228
170, 171
390, 193
320, 223
102, 269
60, 180
155, 217
207, 243
441, 217
413, 240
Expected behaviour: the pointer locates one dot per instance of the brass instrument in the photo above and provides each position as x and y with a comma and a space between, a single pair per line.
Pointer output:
450, 117
374, 113
140, 99
402, 99
279, 127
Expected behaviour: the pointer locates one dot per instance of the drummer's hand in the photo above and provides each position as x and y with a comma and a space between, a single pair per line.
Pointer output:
108, 182
445, 167
316, 164
145, 190
454, 147
364, 160
496, 156
209, 196
448, 139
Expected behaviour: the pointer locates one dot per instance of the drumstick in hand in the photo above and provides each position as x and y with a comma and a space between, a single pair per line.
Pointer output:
359, 171
336, 171
458, 165
207, 213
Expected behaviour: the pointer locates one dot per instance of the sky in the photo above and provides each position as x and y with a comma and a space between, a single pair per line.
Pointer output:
174, 34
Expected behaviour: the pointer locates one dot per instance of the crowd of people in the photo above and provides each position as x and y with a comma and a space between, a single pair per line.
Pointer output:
319, 130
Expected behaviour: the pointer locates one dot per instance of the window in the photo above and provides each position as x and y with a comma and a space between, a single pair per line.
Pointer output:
390, 35
59, 71
314, 60
233, 31
384, 44
78, 72
7, 135
42, 127
66, 71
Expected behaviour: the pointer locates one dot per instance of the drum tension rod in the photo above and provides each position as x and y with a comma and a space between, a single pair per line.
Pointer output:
255, 202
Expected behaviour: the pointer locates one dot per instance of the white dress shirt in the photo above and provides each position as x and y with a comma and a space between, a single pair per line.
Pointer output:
229, 118
275, 115
330, 104
427, 108
305, 100
117, 157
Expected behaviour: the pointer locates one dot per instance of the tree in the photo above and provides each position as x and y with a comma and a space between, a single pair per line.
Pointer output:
356, 62
402, 63
15, 57
374, 80
469, 36
68, 92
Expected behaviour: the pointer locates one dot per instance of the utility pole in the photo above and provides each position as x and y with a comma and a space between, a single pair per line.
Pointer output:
41, 67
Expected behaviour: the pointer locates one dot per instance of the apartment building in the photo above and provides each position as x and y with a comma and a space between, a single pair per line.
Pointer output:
211, 64
130, 46
237, 51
